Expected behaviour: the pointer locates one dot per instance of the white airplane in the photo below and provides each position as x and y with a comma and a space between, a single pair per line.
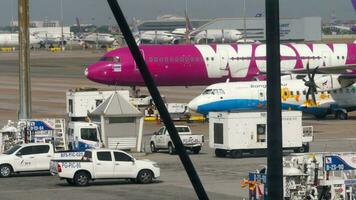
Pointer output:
99, 38
12, 39
216, 36
331, 94
155, 37
180, 34
49, 39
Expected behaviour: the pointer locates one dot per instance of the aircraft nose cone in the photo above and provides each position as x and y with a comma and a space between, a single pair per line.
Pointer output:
193, 105
96, 72
86, 72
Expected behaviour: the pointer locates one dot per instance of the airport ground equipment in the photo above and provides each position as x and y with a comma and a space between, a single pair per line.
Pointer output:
81, 101
236, 133
32, 157
326, 176
162, 140
75, 136
105, 164
177, 111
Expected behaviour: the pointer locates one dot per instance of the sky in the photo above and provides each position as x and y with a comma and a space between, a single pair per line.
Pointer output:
98, 11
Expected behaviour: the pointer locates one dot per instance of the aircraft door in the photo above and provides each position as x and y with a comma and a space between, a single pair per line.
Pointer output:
325, 59
261, 95
224, 63
143, 55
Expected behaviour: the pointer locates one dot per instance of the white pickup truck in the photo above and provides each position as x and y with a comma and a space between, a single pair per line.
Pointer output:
105, 164
162, 140
31, 157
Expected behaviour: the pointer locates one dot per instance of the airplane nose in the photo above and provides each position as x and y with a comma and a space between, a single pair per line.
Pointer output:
193, 105
86, 72
96, 72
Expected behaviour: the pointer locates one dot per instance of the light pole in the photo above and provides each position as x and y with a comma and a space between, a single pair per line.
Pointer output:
12, 16
244, 13
24, 61
62, 34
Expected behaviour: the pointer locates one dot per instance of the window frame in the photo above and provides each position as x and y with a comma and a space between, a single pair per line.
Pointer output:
128, 158
96, 133
101, 152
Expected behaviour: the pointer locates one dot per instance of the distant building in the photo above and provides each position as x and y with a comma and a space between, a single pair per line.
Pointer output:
169, 23
38, 24
293, 29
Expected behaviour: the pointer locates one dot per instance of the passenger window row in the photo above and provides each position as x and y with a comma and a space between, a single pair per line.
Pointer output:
304, 92
174, 59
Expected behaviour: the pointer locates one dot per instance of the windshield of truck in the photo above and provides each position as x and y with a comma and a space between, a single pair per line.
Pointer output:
183, 130
12, 149
89, 134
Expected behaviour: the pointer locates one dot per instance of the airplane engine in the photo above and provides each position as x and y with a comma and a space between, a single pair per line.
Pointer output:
332, 82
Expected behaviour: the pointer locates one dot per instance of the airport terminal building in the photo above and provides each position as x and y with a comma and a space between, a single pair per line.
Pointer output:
292, 29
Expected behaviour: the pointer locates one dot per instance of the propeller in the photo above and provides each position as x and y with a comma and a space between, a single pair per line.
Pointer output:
310, 83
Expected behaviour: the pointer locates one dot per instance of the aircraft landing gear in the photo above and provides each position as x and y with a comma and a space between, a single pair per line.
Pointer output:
341, 115
135, 91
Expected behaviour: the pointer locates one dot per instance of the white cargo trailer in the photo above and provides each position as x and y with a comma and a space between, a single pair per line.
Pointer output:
246, 132
81, 102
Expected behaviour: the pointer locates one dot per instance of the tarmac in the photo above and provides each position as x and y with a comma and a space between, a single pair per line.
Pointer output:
54, 73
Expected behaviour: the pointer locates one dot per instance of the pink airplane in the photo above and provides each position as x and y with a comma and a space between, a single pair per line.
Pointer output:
188, 65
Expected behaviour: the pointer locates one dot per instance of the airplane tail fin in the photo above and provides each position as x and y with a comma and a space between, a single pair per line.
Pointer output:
354, 4
188, 24
78, 26
188, 27
135, 24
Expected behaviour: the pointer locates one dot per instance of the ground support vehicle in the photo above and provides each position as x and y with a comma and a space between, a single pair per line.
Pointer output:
236, 133
80, 102
32, 157
162, 140
105, 164
325, 176
72, 136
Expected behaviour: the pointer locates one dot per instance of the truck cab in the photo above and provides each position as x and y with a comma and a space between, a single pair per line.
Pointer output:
83, 135
162, 140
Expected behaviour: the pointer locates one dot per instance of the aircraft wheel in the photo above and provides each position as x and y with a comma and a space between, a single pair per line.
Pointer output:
341, 115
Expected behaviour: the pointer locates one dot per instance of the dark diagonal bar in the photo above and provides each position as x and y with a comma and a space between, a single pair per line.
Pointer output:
274, 122
187, 163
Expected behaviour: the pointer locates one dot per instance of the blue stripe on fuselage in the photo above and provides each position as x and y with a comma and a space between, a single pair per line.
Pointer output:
253, 104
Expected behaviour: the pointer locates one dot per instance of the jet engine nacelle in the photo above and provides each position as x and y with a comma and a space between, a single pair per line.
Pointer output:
332, 82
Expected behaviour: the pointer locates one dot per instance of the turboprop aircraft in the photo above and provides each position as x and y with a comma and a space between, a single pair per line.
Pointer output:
330, 94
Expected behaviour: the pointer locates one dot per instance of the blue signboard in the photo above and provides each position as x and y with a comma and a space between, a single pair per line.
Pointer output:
255, 176
339, 163
40, 126
261, 178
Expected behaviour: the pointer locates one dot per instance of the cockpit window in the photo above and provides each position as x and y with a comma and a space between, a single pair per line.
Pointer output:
110, 59
116, 59
213, 92
207, 91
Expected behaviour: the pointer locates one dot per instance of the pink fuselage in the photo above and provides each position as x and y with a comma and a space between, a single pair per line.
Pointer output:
188, 65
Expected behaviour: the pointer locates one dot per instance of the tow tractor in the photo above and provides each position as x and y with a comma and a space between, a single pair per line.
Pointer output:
325, 176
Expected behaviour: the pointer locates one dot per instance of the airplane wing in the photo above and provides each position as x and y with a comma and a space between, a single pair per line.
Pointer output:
329, 70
